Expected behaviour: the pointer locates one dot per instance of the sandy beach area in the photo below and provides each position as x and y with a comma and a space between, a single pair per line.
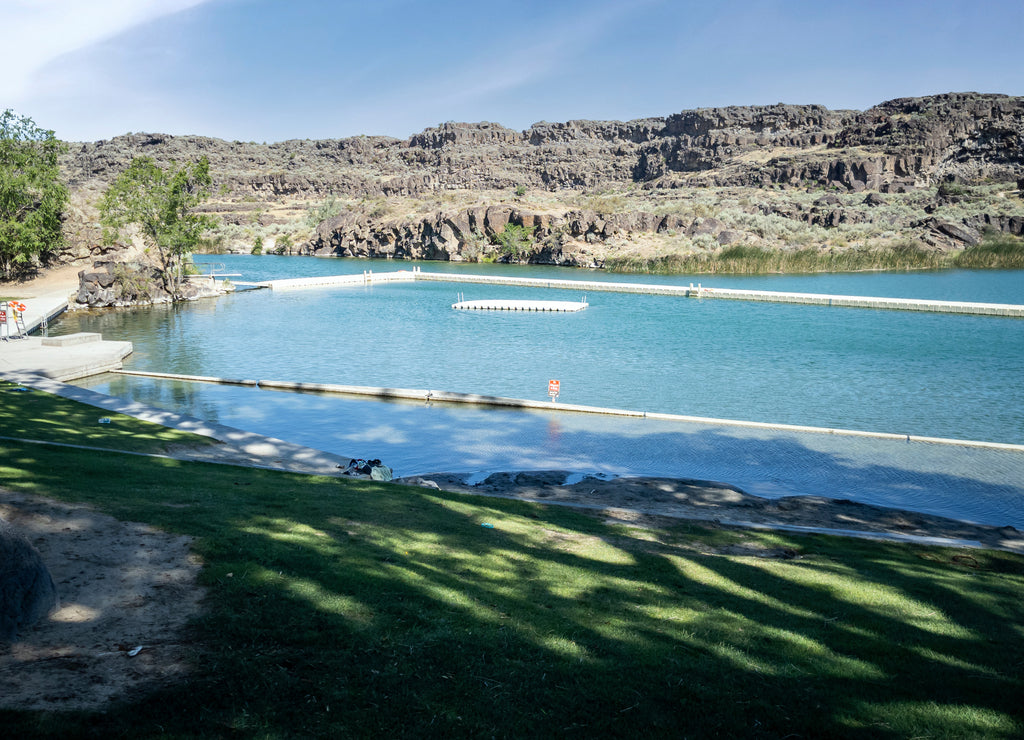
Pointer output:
59, 279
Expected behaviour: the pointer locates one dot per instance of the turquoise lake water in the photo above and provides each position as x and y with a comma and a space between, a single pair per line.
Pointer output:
935, 375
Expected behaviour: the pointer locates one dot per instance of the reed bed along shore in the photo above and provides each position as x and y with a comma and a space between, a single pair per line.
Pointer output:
999, 252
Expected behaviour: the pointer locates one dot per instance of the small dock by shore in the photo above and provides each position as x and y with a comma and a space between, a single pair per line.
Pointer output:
63, 358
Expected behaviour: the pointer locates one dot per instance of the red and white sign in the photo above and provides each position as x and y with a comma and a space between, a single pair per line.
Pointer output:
554, 387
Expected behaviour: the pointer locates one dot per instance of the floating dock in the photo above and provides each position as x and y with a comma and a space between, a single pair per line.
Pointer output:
769, 296
339, 281
560, 306
683, 291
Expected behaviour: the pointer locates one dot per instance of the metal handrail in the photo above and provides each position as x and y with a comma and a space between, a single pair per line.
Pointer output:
214, 267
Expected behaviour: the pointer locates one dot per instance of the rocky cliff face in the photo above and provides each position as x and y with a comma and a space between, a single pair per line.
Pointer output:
900, 142
898, 146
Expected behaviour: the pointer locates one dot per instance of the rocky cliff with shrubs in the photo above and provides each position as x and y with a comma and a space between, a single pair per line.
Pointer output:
936, 173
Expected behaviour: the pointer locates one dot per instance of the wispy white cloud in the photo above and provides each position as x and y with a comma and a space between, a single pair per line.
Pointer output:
36, 33
558, 45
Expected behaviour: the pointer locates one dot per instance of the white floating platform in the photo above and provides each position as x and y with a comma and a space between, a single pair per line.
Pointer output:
563, 306
332, 281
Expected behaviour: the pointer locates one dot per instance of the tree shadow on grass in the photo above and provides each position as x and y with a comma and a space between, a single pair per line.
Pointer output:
340, 608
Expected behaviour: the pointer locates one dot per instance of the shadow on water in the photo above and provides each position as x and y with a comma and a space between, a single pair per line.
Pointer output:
974, 484
927, 374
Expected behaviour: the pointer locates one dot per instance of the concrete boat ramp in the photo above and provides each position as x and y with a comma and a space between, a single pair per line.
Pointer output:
59, 358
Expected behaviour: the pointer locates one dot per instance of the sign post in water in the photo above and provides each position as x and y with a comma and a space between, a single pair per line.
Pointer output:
554, 386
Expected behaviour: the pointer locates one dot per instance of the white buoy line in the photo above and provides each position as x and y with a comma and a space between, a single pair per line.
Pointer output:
685, 291
435, 396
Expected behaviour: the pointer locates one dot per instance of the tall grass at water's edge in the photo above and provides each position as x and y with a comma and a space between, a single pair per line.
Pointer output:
994, 252
344, 608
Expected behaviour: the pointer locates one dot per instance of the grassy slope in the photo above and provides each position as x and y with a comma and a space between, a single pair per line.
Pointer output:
31, 414
344, 608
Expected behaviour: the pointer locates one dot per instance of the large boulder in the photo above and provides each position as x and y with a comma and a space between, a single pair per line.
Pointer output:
27, 591
959, 232
133, 284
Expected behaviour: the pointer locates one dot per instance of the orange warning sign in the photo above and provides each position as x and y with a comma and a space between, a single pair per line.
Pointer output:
554, 387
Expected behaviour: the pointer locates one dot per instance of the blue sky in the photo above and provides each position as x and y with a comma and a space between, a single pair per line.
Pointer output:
270, 70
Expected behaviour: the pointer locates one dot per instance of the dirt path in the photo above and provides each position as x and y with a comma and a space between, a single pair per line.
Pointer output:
57, 280
126, 591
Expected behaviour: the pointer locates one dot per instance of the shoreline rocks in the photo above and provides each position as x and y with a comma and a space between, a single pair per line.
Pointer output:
119, 284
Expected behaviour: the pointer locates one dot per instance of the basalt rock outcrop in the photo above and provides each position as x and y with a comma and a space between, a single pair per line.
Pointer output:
898, 143
895, 147
113, 283
565, 238
27, 590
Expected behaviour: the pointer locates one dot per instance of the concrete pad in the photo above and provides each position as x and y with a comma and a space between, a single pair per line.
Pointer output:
29, 355
69, 340
40, 310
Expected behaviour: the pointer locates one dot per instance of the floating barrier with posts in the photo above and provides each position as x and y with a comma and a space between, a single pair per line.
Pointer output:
497, 305
682, 291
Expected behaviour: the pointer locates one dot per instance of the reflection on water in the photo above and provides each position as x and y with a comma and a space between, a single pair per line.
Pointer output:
416, 438
183, 398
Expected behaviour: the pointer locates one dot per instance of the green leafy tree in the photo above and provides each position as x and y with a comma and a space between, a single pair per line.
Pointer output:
162, 203
32, 195
515, 241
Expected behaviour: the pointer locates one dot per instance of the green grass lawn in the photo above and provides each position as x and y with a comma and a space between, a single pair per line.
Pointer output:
26, 413
340, 608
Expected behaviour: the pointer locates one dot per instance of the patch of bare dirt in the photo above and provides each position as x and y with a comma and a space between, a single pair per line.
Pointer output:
126, 591
57, 279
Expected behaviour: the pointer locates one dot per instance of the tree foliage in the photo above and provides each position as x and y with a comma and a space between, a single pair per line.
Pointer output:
32, 195
515, 241
162, 204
